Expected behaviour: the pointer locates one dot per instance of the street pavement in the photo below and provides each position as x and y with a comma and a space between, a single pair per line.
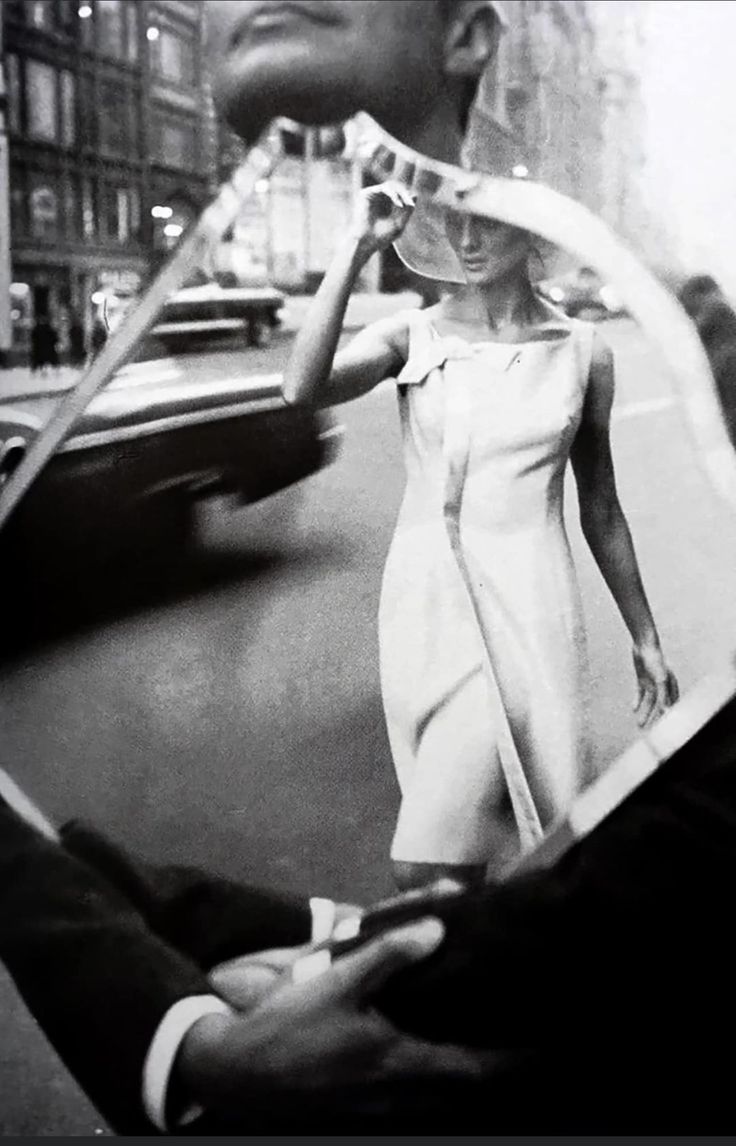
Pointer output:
241, 726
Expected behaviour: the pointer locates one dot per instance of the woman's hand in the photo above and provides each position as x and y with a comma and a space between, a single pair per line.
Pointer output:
656, 683
381, 215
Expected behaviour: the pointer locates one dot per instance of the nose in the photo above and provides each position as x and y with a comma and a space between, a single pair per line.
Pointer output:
470, 233
467, 233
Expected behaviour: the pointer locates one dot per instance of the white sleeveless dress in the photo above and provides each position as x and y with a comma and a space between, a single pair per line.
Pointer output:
482, 645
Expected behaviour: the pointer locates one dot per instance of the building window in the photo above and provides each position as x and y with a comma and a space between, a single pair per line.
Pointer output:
134, 212
117, 29
86, 25
15, 98
175, 143
133, 124
119, 120
42, 101
69, 20
14, 10
40, 14
174, 57
121, 213
132, 31
87, 112
110, 17
71, 206
18, 217
68, 109
115, 118
89, 210
43, 208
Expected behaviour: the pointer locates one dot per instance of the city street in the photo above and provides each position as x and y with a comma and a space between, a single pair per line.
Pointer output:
241, 725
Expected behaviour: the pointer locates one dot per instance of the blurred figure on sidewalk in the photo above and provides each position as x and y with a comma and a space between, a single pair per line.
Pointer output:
44, 344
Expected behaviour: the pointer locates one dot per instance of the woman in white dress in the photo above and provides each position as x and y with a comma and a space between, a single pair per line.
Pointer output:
482, 645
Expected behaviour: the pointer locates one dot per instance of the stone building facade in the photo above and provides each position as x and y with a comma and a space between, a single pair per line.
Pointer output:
106, 108
567, 86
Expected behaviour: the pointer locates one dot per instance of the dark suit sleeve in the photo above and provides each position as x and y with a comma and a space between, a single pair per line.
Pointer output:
93, 975
628, 938
208, 917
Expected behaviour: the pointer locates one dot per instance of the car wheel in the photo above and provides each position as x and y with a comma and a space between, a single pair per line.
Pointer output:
163, 531
270, 525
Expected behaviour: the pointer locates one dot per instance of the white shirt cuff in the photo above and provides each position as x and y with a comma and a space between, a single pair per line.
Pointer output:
176, 1023
324, 912
180, 1018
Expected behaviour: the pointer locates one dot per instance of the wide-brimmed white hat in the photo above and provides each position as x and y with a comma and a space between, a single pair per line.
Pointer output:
489, 148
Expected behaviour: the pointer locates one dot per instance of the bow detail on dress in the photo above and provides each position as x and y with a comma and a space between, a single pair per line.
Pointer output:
442, 349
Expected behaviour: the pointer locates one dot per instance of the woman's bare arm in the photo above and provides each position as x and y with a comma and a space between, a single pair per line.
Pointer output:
607, 533
315, 375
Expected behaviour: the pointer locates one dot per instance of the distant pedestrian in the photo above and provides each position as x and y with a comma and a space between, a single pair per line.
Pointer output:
44, 344
77, 342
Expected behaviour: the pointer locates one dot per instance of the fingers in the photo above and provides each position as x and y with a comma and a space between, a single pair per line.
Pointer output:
655, 697
399, 195
243, 982
646, 707
359, 975
391, 199
410, 1058
657, 686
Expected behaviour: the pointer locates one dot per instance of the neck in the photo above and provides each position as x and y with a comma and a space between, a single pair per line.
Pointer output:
508, 301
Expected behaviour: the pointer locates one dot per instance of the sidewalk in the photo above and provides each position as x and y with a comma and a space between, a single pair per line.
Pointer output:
18, 382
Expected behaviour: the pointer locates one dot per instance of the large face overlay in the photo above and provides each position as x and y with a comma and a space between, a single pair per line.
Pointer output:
319, 61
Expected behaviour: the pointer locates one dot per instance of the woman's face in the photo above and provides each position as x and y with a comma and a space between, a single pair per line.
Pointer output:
487, 250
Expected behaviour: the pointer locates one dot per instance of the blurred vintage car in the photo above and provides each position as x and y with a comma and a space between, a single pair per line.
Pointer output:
581, 294
212, 310
166, 433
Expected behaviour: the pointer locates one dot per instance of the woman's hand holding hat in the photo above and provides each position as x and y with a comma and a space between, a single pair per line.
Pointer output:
381, 214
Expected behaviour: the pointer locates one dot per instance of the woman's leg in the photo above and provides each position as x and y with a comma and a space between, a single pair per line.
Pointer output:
413, 875
455, 818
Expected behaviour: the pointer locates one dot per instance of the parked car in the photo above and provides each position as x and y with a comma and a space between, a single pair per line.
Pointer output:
165, 434
581, 294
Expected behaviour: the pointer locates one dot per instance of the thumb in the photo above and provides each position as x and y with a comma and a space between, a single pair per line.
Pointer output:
360, 974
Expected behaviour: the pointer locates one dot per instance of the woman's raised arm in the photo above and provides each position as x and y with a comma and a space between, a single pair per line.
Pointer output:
314, 374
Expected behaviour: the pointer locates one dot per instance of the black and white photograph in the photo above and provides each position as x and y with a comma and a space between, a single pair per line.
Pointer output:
367, 567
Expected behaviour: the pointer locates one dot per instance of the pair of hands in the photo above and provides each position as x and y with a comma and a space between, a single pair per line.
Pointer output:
319, 1046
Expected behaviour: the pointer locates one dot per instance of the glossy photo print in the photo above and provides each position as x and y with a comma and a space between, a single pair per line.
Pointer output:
368, 536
